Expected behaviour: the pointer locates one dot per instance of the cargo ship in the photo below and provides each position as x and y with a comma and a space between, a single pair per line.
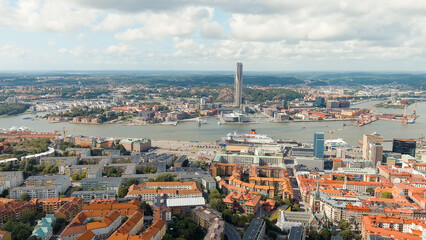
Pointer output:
251, 137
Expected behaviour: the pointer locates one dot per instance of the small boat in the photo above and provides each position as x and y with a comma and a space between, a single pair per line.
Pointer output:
27, 118
201, 121
219, 123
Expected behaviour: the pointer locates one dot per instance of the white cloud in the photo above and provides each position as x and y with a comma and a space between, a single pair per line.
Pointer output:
45, 15
12, 51
187, 31
159, 25
119, 49
213, 30
81, 36
114, 21
139, 5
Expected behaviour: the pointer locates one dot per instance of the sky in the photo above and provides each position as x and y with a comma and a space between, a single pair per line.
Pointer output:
266, 35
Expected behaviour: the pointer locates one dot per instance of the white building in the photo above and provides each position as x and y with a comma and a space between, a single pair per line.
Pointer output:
11, 179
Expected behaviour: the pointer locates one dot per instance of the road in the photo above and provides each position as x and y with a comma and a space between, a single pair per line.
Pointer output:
296, 192
231, 233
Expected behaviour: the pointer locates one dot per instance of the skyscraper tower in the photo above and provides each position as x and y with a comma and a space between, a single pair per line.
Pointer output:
238, 95
319, 144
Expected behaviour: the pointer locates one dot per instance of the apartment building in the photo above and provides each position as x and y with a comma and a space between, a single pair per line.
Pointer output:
244, 202
57, 161
36, 192
11, 179
12, 210
62, 182
210, 221
44, 228
91, 171
393, 227
148, 191
104, 184
87, 196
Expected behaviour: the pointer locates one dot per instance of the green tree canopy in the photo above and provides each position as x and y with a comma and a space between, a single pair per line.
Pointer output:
386, 195
24, 197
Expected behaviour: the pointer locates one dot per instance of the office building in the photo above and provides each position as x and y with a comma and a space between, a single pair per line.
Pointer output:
238, 95
366, 140
319, 145
375, 153
319, 102
404, 146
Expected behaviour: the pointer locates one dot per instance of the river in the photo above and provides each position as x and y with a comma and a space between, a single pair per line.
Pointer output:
300, 131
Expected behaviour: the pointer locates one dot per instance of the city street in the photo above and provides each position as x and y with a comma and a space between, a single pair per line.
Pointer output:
231, 233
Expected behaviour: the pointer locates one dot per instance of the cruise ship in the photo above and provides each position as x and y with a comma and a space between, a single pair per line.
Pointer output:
251, 137
336, 143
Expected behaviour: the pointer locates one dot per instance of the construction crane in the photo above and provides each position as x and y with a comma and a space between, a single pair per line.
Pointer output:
332, 135
414, 115
404, 117
365, 111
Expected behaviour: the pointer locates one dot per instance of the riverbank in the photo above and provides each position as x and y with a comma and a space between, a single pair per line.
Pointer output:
190, 131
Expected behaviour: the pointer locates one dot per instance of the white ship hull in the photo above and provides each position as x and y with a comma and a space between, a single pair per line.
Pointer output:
248, 138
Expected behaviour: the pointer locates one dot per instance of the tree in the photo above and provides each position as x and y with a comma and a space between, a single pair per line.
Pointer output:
63, 196
214, 194
347, 234
146, 208
24, 197
59, 223
76, 189
386, 195
164, 177
19, 230
272, 235
313, 235
124, 219
167, 236
122, 192
75, 177
295, 208
200, 164
218, 204
340, 178
344, 225
132, 181
370, 191
263, 197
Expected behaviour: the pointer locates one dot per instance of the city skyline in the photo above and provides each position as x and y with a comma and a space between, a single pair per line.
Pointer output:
201, 35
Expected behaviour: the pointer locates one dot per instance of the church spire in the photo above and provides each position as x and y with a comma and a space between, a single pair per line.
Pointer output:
317, 191
345, 183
